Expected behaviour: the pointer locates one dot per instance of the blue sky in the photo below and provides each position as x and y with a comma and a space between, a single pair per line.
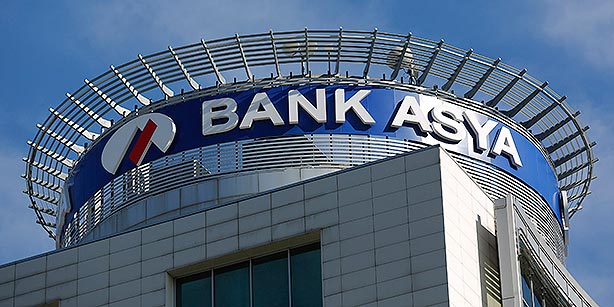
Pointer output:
49, 47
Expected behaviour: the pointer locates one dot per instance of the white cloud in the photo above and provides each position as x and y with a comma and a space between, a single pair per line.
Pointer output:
583, 27
109, 23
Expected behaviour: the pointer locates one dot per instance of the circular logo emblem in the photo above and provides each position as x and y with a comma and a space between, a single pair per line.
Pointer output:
154, 128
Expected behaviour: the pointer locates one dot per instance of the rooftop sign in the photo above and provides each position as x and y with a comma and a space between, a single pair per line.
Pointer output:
313, 109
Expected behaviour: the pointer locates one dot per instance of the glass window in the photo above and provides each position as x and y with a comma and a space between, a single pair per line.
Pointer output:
526, 293
195, 291
529, 297
231, 285
291, 278
270, 281
305, 264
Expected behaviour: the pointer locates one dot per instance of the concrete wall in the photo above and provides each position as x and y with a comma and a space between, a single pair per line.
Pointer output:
199, 196
413, 230
470, 242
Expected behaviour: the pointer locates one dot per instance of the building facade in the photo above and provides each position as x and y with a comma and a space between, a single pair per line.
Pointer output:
317, 184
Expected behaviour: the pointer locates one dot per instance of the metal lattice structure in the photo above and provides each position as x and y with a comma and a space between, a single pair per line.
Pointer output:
297, 57
324, 151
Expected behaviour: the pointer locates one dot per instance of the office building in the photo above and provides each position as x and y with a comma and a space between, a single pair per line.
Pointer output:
306, 168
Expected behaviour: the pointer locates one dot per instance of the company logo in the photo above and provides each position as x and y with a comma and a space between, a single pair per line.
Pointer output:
312, 110
155, 128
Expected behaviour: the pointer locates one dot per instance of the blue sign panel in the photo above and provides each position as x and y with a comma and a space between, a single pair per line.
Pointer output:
311, 109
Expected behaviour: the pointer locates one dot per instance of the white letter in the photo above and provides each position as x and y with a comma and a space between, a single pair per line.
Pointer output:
410, 112
269, 112
295, 98
504, 145
229, 108
447, 118
342, 106
480, 132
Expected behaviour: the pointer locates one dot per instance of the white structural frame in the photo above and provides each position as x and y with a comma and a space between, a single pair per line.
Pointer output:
519, 241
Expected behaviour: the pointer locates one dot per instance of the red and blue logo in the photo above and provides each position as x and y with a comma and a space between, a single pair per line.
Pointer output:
155, 128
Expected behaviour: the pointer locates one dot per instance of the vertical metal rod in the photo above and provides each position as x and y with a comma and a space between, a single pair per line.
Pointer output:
493, 102
165, 90
512, 112
93, 115
428, 67
71, 145
275, 56
84, 132
546, 133
457, 71
185, 72
218, 75
483, 79
328, 61
338, 64
528, 124
399, 63
249, 74
306, 52
552, 148
368, 64
104, 97
140, 98
532, 292
571, 155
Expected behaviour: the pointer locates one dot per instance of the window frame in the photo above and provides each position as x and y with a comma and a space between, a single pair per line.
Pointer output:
209, 271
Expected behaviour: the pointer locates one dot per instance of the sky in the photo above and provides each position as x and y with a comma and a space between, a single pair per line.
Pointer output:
49, 47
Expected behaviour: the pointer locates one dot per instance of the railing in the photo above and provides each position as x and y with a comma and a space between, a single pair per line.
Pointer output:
155, 80
300, 151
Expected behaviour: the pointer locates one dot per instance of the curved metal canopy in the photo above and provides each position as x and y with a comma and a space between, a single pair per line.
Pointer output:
149, 81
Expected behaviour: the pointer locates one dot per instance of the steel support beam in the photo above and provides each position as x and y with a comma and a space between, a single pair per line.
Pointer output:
483, 79
493, 102
546, 133
399, 64
365, 72
165, 90
185, 72
457, 71
217, 72
529, 123
140, 98
515, 110
428, 67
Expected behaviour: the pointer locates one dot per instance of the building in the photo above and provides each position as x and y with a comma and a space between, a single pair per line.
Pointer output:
306, 179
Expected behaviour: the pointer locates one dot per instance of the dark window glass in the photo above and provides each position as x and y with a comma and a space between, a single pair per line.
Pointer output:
231, 286
526, 292
270, 281
273, 281
306, 276
195, 291
530, 298
537, 302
